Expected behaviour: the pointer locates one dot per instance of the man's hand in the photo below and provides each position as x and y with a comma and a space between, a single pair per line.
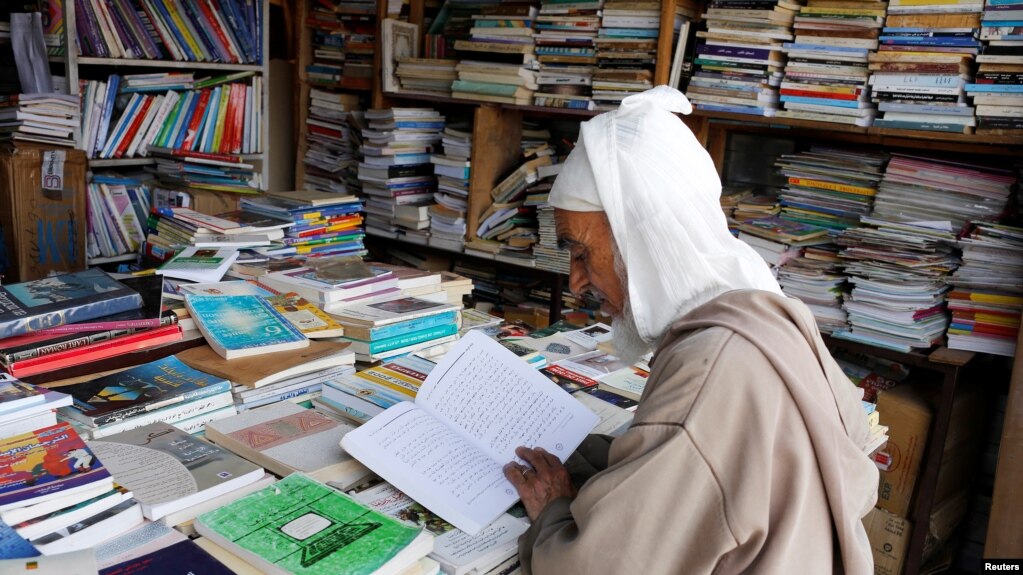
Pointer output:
546, 481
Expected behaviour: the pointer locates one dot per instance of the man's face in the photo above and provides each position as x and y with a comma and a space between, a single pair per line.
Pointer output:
587, 236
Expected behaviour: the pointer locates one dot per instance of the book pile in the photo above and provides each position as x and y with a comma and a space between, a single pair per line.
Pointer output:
118, 209
755, 207
986, 298
829, 187
344, 33
730, 198
168, 30
998, 91
378, 331
396, 172
931, 190
626, 47
779, 240
741, 60
25, 407
322, 223
205, 171
925, 60
430, 76
873, 374
91, 317
567, 55
205, 246
57, 496
549, 256
826, 76
815, 277
333, 284
164, 390
218, 115
898, 273
498, 61
366, 394
447, 215
329, 157
41, 118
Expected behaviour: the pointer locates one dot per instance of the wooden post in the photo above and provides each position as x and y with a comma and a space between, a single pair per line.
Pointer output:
1005, 528
379, 100
304, 57
496, 136
664, 42
416, 15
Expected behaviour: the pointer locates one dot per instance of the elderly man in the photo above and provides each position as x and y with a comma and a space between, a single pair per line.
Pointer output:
745, 455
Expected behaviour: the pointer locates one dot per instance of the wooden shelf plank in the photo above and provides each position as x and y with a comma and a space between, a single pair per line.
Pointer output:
533, 110
121, 162
173, 64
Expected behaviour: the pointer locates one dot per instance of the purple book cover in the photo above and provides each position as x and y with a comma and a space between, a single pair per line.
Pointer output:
47, 461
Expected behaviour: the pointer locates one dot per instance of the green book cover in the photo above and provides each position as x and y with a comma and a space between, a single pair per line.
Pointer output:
303, 527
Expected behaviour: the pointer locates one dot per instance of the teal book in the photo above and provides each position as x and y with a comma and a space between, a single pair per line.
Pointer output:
243, 325
382, 345
301, 527
489, 88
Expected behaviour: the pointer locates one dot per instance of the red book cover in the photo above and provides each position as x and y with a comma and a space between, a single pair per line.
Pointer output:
196, 122
229, 127
812, 94
215, 24
129, 135
96, 352
45, 464
238, 121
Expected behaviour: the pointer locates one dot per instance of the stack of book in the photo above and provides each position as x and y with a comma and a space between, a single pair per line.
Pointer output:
205, 171
218, 115
898, 273
429, 76
549, 256
25, 407
567, 55
447, 215
925, 60
340, 283
322, 223
329, 157
987, 299
396, 171
755, 207
826, 75
344, 33
168, 30
58, 495
930, 190
998, 91
626, 46
498, 61
184, 231
368, 393
741, 59
816, 279
379, 331
779, 240
829, 187
118, 208
730, 198
165, 390
41, 118
90, 317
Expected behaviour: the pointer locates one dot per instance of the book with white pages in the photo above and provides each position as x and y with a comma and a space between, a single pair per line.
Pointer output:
447, 450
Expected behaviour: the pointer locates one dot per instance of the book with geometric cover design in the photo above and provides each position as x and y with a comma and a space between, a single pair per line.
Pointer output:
303, 527
237, 326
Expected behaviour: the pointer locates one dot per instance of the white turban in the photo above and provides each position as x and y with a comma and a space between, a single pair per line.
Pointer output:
643, 167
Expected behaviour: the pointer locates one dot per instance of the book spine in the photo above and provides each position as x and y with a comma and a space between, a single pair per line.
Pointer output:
412, 338
96, 352
127, 413
168, 414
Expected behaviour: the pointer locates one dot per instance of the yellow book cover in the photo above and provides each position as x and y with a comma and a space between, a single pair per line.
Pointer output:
393, 380
193, 44
218, 132
808, 183
309, 319
843, 11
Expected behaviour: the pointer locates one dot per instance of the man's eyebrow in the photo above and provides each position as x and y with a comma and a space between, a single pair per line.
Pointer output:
566, 243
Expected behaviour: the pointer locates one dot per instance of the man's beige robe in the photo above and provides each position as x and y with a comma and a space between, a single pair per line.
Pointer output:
744, 456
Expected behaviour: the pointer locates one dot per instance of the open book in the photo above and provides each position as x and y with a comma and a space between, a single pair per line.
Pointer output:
448, 448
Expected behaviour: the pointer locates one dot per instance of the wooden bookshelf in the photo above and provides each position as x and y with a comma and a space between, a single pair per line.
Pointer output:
171, 64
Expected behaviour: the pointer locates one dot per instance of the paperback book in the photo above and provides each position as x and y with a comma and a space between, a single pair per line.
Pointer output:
240, 326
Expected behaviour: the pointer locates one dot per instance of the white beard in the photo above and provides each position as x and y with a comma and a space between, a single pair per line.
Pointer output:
629, 344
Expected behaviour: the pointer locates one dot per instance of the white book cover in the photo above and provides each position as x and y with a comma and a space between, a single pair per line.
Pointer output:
475, 408
202, 265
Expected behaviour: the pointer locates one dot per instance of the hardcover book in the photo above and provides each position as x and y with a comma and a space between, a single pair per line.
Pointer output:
46, 464
302, 527
168, 469
475, 408
139, 390
49, 302
285, 438
240, 326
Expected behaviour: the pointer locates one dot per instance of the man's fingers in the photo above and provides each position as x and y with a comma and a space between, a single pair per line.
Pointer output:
535, 458
516, 475
552, 460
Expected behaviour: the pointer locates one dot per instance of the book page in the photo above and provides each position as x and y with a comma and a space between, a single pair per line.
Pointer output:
434, 465
500, 402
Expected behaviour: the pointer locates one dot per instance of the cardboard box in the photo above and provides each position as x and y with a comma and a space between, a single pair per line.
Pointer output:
907, 413
42, 211
889, 538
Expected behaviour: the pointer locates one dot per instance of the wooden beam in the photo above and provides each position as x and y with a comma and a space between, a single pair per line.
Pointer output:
379, 100
496, 135
1004, 528
416, 15
664, 42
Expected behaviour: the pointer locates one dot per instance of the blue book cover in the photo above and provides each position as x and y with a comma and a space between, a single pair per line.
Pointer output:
141, 389
183, 558
14, 546
382, 345
181, 127
411, 326
113, 83
173, 29
236, 326
751, 110
995, 88
42, 464
57, 300
822, 101
123, 123
825, 48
